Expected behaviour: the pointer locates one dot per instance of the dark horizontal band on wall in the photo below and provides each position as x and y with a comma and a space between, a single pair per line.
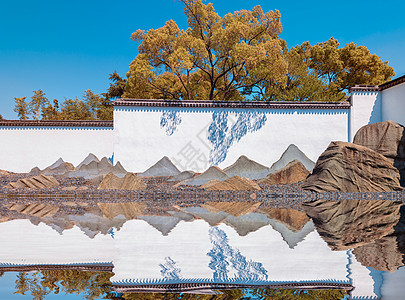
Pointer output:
58, 123
231, 104
376, 88
98, 267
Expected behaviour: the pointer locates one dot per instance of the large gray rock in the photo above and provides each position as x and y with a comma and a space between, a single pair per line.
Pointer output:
348, 167
386, 138
293, 153
245, 167
163, 167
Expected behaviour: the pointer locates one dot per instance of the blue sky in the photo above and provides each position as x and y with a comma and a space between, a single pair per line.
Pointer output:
65, 47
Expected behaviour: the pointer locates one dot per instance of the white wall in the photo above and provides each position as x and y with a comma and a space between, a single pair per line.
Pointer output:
366, 109
140, 140
393, 107
23, 148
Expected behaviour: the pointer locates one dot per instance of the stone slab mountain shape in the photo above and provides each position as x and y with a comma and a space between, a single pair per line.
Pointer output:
37, 182
131, 210
235, 209
386, 138
235, 183
245, 167
61, 169
347, 167
293, 172
164, 167
129, 182
97, 168
4, 173
34, 171
352, 223
56, 164
39, 210
294, 219
293, 153
183, 176
211, 173
91, 157
246, 224
162, 223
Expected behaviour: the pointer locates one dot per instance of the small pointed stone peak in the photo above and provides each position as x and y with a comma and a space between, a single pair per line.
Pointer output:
91, 157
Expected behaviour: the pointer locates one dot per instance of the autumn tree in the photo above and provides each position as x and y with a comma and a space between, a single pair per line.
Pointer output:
342, 68
37, 104
117, 87
21, 108
214, 58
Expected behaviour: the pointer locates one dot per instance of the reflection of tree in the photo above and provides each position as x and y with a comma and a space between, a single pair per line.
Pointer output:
286, 294
92, 285
222, 137
226, 295
170, 120
245, 294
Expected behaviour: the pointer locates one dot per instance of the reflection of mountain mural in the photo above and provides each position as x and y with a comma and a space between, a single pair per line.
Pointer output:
221, 136
169, 269
170, 120
223, 255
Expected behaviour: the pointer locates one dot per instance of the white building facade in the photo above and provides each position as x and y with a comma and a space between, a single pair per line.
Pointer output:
199, 134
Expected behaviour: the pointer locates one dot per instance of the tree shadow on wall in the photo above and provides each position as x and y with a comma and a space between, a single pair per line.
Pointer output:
170, 120
222, 136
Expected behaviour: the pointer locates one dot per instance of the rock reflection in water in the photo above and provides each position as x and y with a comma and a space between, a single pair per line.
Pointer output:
374, 228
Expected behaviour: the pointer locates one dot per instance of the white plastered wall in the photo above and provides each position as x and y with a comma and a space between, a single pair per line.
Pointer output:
261, 134
23, 148
393, 104
366, 109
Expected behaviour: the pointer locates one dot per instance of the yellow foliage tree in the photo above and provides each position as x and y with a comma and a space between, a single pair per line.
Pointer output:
214, 58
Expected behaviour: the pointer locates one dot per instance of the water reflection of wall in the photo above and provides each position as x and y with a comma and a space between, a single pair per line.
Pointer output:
191, 251
195, 138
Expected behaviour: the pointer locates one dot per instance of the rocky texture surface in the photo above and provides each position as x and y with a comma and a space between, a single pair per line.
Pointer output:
183, 176
235, 209
387, 253
248, 168
293, 153
293, 172
353, 223
163, 167
36, 182
131, 210
91, 157
210, 174
348, 167
4, 173
95, 168
235, 183
294, 219
39, 210
129, 182
386, 138
62, 169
